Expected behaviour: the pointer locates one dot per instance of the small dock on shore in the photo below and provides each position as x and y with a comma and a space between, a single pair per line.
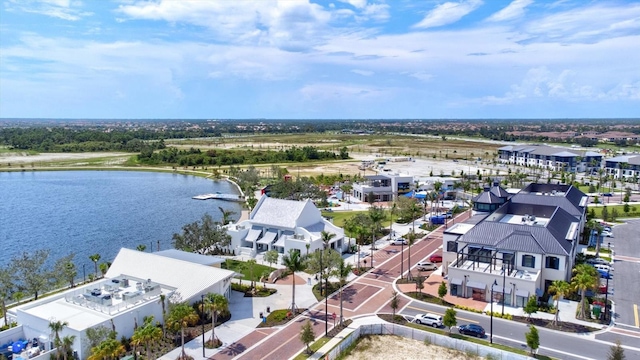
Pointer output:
219, 196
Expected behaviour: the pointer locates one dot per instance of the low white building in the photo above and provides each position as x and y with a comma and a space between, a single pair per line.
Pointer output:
277, 224
383, 187
134, 287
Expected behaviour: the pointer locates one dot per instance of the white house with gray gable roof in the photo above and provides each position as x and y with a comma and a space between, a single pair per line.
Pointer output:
277, 224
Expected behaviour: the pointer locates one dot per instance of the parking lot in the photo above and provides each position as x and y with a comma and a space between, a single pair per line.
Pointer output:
626, 289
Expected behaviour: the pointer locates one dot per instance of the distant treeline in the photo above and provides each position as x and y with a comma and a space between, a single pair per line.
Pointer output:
79, 139
196, 157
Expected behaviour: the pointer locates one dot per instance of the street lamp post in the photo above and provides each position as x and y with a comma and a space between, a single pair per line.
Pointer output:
202, 297
326, 312
402, 259
495, 282
606, 298
504, 279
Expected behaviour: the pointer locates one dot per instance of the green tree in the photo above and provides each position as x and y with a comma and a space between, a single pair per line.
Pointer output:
271, 257
30, 271
215, 304
110, 349
616, 352
531, 307
203, 237
180, 316
141, 247
559, 289
97, 335
533, 339
293, 262
376, 214
146, 335
394, 303
306, 335
7, 287
419, 284
64, 271
449, 319
226, 215
442, 291
411, 237
585, 278
56, 327
66, 343
95, 258
342, 272
252, 264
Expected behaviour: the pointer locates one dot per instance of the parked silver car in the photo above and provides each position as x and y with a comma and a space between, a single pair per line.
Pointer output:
426, 266
429, 319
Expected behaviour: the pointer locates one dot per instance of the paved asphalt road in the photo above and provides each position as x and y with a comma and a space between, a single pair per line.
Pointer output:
626, 243
370, 294
553, 343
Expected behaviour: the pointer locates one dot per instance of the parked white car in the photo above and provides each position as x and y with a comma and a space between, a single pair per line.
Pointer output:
429, 319
398, 241
605, 268
426, 266
602, 261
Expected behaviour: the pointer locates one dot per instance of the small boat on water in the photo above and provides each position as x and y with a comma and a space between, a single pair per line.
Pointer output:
219, 196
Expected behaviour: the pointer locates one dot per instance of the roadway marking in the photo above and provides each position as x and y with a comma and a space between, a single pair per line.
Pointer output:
635, 314
435, 312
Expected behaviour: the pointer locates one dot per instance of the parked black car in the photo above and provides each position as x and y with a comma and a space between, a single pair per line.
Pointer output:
471, 329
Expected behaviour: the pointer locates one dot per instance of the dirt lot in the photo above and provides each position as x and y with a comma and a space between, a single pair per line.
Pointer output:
23, 158
399, 348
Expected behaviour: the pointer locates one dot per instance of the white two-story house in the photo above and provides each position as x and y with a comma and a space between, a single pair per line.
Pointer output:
277, 224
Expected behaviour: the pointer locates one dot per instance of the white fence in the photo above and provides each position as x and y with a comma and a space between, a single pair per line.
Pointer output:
420, 335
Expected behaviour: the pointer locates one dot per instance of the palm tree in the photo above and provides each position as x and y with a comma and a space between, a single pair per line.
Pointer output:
95, 258
146, 335
215, 304
585, 278
180, 316
411, 237
109, 349
141, 247
226, 215
57, 327
376, 215
67, 342
293, 263
559, 289
7, 288
342, 272
326, 238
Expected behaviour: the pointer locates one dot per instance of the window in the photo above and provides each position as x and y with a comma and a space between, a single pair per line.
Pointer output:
528, 261
452, 246
552, 262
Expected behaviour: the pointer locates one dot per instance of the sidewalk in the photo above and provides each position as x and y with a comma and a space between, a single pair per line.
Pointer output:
245, 317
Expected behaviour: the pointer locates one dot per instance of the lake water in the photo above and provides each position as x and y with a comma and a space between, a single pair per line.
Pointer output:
89, 212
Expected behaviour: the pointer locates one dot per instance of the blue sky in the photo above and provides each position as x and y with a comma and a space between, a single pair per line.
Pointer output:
288, 59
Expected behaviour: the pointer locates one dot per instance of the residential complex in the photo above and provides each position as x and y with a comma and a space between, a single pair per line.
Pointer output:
625, 167
517, 248
551, 158
383, 187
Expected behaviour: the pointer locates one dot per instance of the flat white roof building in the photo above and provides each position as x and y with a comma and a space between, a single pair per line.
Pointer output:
130, 290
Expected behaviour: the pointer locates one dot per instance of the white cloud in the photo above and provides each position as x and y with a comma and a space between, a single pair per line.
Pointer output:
362, 72
61, 9
448, 13
587, 24
421, 75
358, 4
321, 92
512, 11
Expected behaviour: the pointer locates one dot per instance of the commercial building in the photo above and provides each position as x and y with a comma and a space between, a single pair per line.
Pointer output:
518, 248
137, 285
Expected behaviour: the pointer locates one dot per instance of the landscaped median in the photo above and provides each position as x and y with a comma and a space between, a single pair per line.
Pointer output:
347, 339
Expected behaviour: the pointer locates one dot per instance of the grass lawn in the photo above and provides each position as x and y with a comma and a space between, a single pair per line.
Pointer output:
634, 210
314, 347
244, 268
339, 217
